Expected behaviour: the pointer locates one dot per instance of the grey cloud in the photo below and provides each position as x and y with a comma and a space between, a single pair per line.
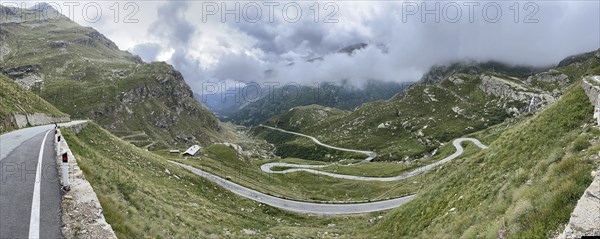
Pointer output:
564, 28
239, 67
147, 51
189, 68
172, 25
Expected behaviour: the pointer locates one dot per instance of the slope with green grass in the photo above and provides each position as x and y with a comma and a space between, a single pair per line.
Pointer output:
144, 196
223, 161
526, 184
15, 100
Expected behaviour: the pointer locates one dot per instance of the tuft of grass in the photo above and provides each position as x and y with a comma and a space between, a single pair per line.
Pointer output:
581, 143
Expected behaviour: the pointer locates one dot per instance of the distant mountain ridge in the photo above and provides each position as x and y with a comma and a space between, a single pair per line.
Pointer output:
233, 105
341, 96
448, 102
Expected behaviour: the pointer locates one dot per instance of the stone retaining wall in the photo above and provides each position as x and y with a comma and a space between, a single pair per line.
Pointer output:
585, 219
36, 119
591, 89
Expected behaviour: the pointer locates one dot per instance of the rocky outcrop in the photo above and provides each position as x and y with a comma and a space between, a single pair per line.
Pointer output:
58, 44
22, 70
551, 76
26, 76
585, 219
506, 89
4, 49
29, 81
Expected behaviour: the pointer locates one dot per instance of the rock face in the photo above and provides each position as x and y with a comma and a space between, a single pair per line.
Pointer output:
552, 76
585, 219
22, 70
510, 90
167, 104
4, 49
26, 76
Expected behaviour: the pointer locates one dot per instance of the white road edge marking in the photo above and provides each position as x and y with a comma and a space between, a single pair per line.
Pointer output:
34, 222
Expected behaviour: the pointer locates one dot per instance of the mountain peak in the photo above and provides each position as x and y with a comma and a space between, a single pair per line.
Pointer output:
440, 72
43, 6
352, 48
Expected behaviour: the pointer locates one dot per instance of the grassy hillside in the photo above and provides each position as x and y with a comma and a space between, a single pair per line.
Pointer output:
223, 161
14, 99
84, 74
143, 196
408, 125
525, 184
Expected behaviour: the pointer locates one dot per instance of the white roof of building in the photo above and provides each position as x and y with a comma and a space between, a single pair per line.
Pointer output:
192, 150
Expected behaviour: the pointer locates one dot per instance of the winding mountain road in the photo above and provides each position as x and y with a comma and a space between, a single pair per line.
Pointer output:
327, 208
311, 168
370, 154
299, 206
30, 194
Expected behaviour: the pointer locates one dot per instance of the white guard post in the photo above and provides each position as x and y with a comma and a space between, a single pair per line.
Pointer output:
65, 171
597, 111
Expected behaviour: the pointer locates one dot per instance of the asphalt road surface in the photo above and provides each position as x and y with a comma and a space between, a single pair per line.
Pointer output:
328, 208
370, 154
30, 194
311, 168
298, 206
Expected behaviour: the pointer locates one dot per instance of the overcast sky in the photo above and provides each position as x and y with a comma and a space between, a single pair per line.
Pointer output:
204, 48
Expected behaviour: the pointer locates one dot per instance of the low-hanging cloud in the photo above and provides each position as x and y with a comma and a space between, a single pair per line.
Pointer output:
147, 51
279, 50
